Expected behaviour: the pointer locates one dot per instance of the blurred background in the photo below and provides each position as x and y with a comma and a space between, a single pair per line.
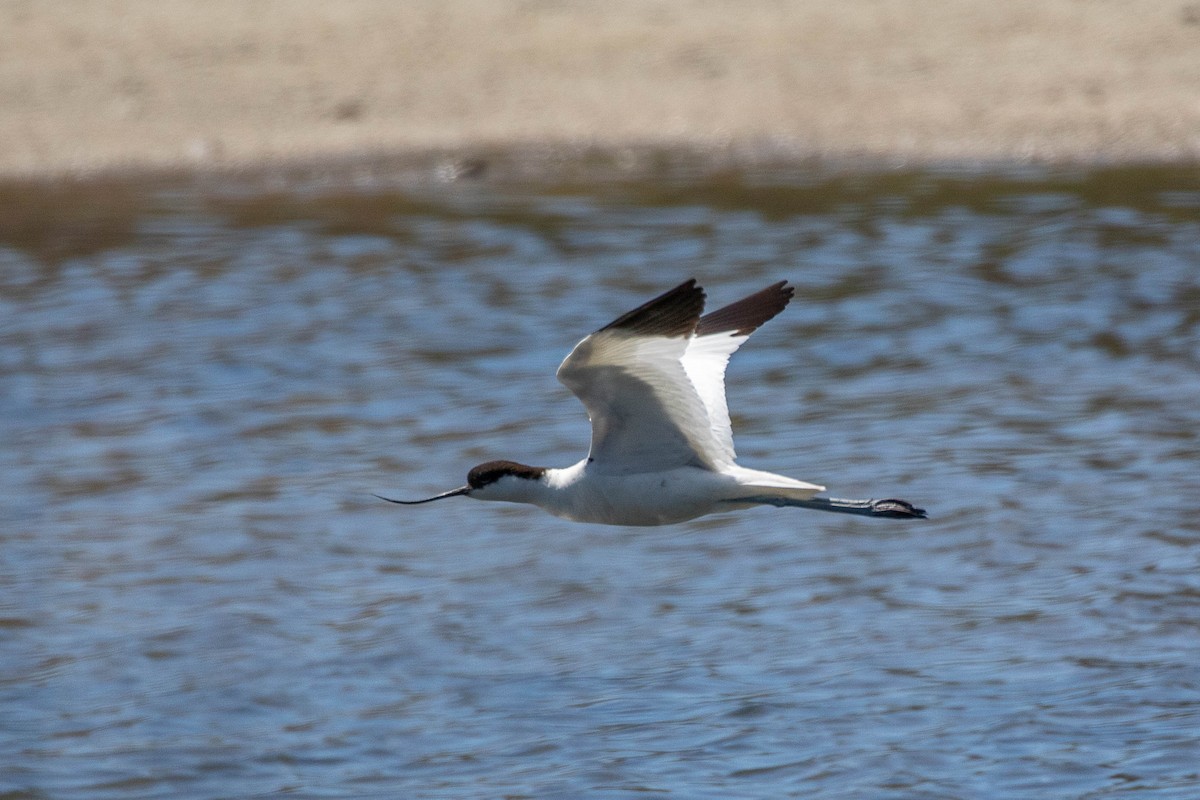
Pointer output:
259, 261
118, 83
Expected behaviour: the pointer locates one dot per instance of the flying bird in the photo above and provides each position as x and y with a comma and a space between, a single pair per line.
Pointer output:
653, 383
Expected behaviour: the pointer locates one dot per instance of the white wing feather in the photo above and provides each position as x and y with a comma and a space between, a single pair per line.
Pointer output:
704, 361
646, 413
653, 383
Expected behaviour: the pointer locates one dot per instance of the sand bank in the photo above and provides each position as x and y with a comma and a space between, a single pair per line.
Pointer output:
112, 84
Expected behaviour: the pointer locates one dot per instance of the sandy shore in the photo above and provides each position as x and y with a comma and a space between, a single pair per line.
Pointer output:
112, 84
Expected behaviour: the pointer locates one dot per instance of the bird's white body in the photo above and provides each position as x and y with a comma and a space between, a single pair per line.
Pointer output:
583, 494
653, 383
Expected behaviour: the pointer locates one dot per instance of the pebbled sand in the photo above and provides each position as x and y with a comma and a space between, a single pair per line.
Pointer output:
107, 85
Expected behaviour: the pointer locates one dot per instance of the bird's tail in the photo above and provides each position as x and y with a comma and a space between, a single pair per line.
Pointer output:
768, 484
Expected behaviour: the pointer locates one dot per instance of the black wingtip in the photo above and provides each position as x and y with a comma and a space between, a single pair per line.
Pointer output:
745, 316
673, 313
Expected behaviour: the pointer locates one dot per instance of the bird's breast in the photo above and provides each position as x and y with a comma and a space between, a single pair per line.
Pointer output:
659, 498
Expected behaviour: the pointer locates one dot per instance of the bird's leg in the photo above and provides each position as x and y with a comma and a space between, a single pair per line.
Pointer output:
891, 508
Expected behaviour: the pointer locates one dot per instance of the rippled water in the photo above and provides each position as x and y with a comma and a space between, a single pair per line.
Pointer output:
202, 387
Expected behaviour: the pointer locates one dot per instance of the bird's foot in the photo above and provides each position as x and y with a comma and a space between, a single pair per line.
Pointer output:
898, 509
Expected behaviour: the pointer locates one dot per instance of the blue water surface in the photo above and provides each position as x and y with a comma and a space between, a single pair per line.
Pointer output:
203, 385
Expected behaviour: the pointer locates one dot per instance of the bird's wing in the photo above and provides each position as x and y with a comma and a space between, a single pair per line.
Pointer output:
646, 414
716, 337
